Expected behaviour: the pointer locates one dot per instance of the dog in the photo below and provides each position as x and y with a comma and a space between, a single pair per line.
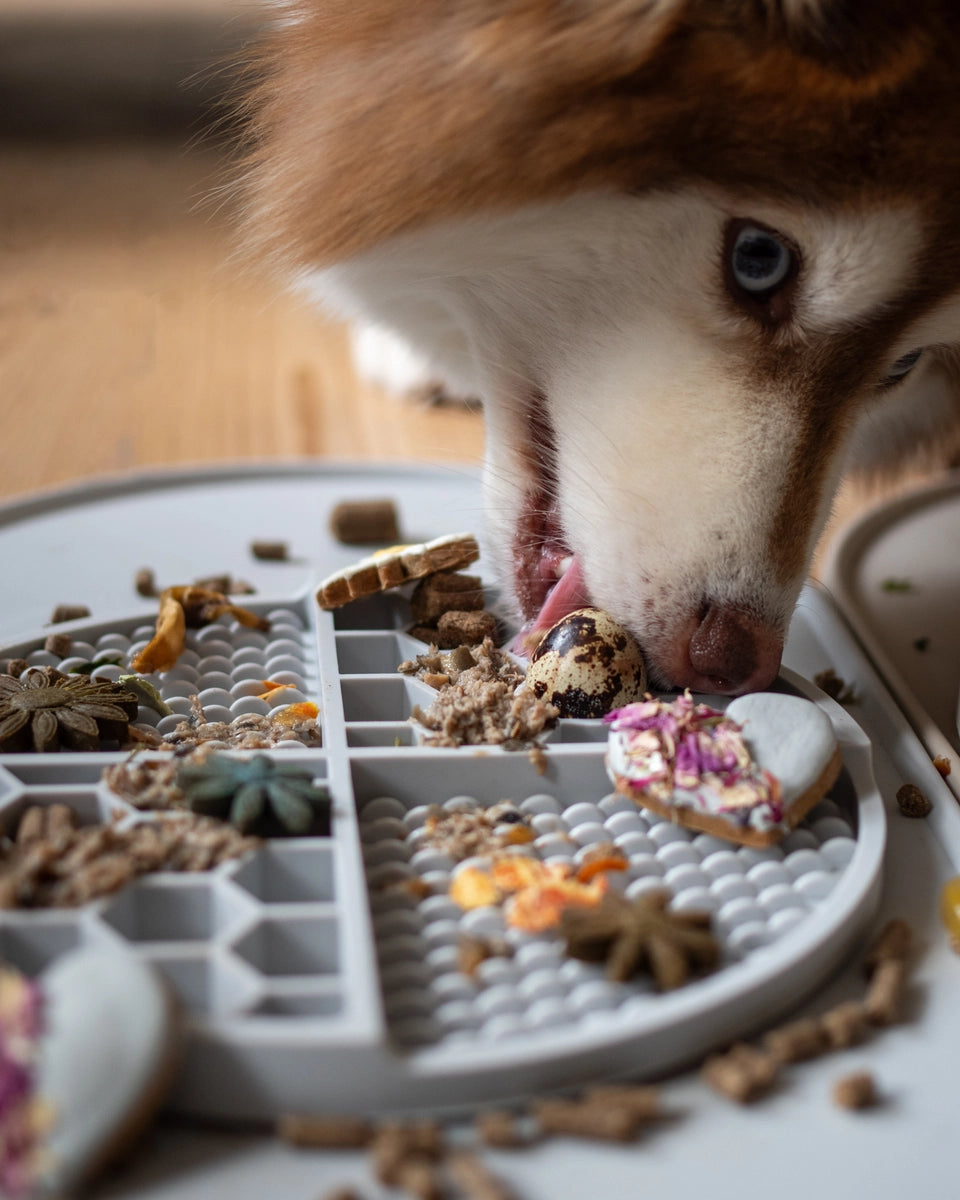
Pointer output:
698, 258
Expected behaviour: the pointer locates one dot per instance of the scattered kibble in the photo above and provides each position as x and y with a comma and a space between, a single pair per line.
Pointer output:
912, 802
145, 583
58, 644
365, 522
578, 1118
68, 612
499, 1127
473, 1178
270, 551
799, 1040
743, 1073
854, 1091
325, 1132
845, 1025
884, 999
836, 688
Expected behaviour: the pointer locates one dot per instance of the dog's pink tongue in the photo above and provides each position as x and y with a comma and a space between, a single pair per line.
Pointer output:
568, 594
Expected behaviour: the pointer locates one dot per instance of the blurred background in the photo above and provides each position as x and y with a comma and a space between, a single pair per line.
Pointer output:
132, 333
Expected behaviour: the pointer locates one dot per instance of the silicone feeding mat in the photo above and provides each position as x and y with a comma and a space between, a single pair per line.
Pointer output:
326, 971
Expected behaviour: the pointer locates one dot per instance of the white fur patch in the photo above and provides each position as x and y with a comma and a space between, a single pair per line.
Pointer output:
613, 308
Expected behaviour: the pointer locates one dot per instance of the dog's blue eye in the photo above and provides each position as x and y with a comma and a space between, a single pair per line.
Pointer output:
759, 262
903, 366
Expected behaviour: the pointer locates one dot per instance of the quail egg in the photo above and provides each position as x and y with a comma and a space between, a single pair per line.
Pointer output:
587, 664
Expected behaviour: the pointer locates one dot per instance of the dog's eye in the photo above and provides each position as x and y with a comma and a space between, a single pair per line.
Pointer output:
902, 367
759, 262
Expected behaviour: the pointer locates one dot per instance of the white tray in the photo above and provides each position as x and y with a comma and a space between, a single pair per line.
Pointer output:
911, 632
277, 958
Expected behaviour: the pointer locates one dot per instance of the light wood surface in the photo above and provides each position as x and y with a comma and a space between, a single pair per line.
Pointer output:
131, 335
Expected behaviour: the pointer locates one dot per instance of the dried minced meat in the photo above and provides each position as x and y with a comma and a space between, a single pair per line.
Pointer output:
479, 704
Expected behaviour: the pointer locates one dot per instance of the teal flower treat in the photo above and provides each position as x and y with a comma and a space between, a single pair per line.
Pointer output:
257, 795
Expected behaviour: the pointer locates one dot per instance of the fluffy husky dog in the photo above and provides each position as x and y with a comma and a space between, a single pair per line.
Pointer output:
697, 257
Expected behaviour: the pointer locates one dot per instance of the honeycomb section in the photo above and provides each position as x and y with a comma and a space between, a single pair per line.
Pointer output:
30, 942
89, 805
292, 945
527, 983
170, 908
209, 982
374, 653
289, 874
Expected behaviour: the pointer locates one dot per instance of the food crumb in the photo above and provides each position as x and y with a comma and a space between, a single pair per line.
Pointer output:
365, 522
857, 1090
58, 644
896, 585
943, 764
68, 612
270, 551
921, 643
912, 802
836, 688
145, 583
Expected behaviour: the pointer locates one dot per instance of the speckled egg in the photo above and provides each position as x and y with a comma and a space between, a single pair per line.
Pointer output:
587, 664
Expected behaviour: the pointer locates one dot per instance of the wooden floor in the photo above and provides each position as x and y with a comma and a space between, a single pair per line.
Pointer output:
131, 336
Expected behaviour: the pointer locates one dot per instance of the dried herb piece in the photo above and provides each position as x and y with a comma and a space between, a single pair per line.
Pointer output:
896, 585
182, 607
642, 934
102, 660
146, 694
257, 795
45, 710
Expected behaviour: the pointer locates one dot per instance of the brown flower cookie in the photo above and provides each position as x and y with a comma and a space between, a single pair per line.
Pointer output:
396, 565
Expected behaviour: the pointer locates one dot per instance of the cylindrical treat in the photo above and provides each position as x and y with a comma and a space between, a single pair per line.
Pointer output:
32, 826
270, 551
333, 1132
145, 583
395, 1143
845, 1025
365, 522
16, 667
585, 1120
799, 1040
68, 612
894, 941
742, 1074
498, 1127
58, 644
418, 1177
857, 1090
884, 997
912, 802
474, 1180
642, 1101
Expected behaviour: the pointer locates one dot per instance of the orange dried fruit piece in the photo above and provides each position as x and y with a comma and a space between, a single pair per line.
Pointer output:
293, 714
474, 888
182, 606
542, 905
950, 909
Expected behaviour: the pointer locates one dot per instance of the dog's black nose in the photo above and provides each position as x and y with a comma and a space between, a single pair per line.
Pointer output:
732, 652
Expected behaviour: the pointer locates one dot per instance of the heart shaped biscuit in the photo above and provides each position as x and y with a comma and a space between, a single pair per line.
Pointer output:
748, 774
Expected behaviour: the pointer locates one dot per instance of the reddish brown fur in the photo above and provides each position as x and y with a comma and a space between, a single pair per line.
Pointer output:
377, 116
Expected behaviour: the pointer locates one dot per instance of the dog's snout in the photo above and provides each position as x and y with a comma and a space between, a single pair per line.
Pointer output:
732, 652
